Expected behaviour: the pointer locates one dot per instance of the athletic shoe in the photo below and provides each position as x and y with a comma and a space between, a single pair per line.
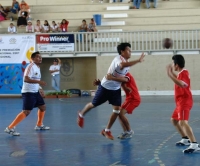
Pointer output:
192, 148
125, 135
107, 134
12, 131
183, 142
80, 121
42, 127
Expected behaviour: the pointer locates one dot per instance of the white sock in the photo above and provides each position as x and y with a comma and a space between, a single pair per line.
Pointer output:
107, 129
81, 115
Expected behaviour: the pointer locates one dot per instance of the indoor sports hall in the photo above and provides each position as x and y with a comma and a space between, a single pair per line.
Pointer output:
55, 50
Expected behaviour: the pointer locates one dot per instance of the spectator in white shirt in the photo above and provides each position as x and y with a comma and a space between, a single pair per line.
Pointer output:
54, 27
38, 27
12, 28
46, 27
55, 73
29, 27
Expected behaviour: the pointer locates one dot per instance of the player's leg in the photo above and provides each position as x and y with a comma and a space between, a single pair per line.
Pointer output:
41, 113
99, 98
184, 117
28, 105
114, 98
175, 121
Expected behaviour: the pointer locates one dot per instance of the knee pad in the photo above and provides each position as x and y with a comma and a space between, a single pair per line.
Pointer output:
116, 111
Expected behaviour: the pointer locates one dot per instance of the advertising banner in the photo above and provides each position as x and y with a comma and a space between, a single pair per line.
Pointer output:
15, 54
55, 43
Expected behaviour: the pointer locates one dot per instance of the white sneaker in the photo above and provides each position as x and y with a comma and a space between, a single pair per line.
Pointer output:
42, 127
125, 135
192, 148
183, 142
12, 131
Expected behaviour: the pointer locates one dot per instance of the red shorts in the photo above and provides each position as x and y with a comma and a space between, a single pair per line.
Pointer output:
130, 105
181, 113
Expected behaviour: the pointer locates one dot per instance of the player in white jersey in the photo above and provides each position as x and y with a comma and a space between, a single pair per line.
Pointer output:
110, 90
31, 96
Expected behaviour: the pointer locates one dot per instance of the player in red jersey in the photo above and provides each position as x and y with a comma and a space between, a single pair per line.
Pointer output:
132, 101
184, 102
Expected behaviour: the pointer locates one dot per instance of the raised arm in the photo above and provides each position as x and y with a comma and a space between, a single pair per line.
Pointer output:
59, 61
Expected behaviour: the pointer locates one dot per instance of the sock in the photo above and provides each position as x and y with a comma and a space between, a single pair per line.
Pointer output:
80, 115
185, 137
40, 117
107, 129
17, 120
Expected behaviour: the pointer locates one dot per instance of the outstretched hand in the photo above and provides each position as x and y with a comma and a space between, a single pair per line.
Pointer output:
141, 59
96, 82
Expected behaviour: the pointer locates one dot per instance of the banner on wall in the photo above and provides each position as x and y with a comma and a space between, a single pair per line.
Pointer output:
15, 54
57, 42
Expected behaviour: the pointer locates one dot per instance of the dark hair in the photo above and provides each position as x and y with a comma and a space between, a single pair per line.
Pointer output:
47, 23
83, 21
179, 60
34, 54
122, 47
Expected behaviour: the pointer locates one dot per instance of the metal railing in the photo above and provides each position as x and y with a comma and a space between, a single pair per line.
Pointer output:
149, 41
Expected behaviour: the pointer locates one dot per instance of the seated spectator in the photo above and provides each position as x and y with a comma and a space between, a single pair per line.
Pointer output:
2, 14
54, 27
15, 7
38, 27
23, 15
64, 25
27, 6
92, 26
12, 28
46, 27
29, 27
154, 3
111, 1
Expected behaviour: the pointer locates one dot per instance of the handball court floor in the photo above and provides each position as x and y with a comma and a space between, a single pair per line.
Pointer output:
65, 144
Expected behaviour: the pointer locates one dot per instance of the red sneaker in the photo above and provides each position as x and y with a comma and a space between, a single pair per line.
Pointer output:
107, 134
80, 121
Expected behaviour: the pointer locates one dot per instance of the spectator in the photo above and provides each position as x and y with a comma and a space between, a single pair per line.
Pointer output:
29, 27
64, 25
27, 6
54, 27
15, 7
92, 26
111, 1
136, 4
2, 14
154, 3
23, 15
12, 28
46, 27
38, 27
83, 28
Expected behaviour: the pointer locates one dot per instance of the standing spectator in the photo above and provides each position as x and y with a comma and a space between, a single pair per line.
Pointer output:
29, 27
92, 26
38, 27
46, 27
54, 27
64, 25
12, 28
27, 6
15, 7
154, 3
23, 15
55, 73
82, 28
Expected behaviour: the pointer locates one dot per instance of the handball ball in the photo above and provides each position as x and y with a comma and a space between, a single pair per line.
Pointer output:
167, 43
